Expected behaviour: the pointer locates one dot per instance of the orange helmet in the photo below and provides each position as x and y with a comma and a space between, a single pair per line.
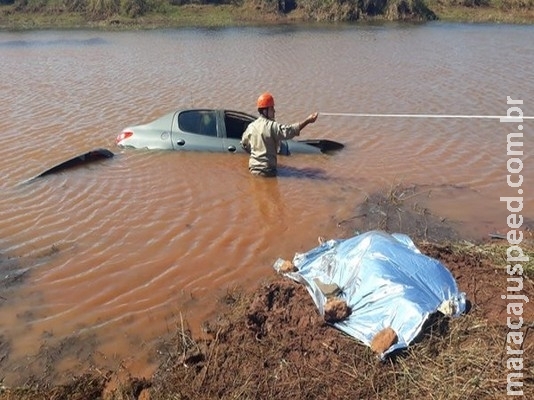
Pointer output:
265, 100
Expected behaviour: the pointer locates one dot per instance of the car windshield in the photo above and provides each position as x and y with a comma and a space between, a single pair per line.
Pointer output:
201, 122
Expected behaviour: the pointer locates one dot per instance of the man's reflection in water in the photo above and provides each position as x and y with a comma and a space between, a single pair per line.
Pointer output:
268, 200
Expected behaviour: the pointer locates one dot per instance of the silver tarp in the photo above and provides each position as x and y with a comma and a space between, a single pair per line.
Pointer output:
384, 279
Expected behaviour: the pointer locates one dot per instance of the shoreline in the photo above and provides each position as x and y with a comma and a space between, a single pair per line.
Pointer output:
222, 16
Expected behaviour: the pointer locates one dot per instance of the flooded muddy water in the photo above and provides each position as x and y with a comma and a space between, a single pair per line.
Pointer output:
110, 256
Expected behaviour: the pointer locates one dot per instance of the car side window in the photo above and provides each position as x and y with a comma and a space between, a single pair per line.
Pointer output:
198, 121
235, 125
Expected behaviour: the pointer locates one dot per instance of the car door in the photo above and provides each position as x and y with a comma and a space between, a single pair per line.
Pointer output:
235, 123
196, 130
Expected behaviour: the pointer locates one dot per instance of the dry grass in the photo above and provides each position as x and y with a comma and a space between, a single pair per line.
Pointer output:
506, 11
464, 363
488, 253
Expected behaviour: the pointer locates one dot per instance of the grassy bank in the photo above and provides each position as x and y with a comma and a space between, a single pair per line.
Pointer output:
491, 11
173, 16
148, 14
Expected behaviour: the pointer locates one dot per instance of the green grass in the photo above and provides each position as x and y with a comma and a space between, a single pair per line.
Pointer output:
496, 11
25, 21
186, 16
165, 16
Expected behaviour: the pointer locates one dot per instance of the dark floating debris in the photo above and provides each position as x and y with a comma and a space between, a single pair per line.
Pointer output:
82, 159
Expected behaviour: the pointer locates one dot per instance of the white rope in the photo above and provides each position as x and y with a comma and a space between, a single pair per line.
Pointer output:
504, 117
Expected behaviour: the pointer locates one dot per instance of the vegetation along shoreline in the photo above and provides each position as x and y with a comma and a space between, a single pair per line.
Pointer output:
149, 14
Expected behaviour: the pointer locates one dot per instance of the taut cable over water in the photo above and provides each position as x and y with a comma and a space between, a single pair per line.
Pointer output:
332, 114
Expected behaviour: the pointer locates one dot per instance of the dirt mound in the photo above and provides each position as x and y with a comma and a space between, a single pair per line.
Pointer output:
276, 346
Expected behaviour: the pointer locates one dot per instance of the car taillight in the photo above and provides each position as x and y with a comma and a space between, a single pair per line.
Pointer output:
123, 135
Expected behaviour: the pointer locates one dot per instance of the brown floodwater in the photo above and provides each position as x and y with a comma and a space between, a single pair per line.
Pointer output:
119, 252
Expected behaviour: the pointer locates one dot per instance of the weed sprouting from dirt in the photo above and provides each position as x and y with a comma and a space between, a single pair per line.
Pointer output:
400, 208
87, 386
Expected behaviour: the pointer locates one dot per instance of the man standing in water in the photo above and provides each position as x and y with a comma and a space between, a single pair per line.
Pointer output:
263, 136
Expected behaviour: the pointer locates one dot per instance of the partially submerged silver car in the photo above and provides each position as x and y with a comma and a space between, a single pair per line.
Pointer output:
207, 130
